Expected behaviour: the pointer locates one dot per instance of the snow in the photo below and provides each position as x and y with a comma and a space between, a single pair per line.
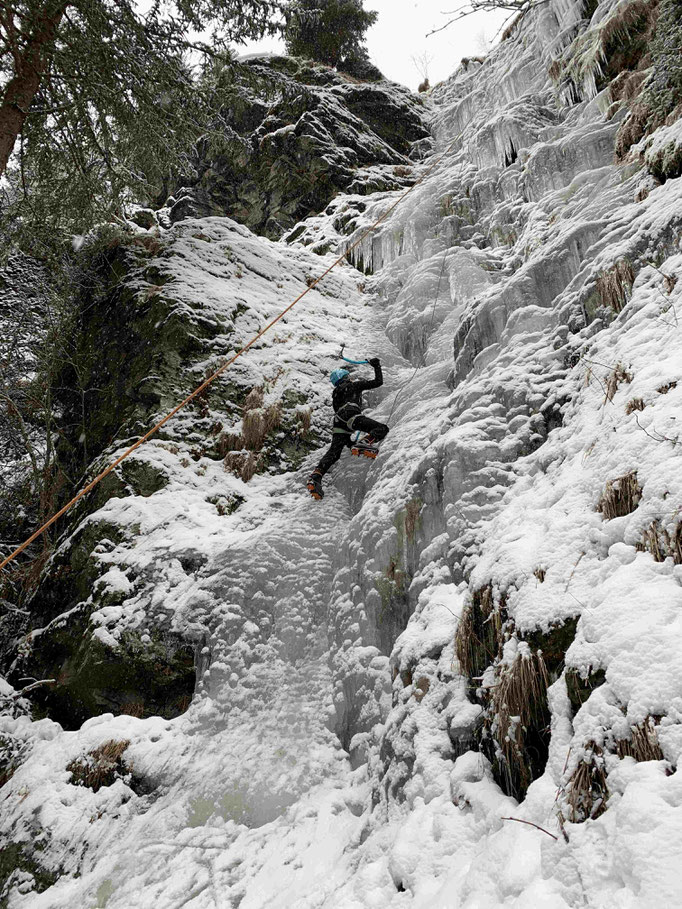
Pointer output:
326, 759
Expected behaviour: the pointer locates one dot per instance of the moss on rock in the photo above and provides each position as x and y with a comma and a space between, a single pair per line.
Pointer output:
150, 676
553, 644
19, 861
580, 686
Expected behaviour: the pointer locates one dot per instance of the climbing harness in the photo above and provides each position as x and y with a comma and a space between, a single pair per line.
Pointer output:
221, 369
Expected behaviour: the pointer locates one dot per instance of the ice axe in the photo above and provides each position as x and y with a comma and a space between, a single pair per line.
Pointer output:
355, 362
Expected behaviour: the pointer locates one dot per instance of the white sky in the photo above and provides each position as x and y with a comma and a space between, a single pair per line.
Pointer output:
400, 35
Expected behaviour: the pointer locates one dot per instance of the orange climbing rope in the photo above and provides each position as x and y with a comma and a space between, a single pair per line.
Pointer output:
221, 369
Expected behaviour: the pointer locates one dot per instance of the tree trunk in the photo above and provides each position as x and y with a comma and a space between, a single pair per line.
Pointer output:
32, 65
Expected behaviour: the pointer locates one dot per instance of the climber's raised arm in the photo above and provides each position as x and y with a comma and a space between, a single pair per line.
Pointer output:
378, 379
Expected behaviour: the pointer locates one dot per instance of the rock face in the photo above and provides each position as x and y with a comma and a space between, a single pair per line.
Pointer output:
25, 312
296, 135
480, 625
148, 332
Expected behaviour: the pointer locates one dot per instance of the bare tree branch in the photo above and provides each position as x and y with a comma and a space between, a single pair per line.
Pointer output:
485, 6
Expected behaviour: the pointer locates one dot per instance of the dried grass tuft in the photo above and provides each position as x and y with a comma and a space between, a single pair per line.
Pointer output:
670, 282
234, 461
463, 637
511, 28
480, 632
586, 789
615, 285
253, 429
242, 451
626, 85
152, 244
304, 418
100, 767
664, 389
272, 417
633, 405
257, 423
633, 128
661, 543
618, 375
230, 441
518, 702
643, 743
254, 399
251, 466
620, 497
243, 464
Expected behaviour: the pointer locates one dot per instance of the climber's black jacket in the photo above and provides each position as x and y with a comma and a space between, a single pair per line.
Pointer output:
347, 398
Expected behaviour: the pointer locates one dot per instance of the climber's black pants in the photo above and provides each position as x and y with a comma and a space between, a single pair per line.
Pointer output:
341, 440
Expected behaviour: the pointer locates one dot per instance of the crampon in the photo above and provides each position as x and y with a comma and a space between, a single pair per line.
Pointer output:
315, 486
365, 447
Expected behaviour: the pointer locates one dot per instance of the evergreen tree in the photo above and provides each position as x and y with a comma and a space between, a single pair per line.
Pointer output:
330, 31
102, 100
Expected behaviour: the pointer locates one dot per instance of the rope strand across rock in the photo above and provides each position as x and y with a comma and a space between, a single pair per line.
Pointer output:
221, 369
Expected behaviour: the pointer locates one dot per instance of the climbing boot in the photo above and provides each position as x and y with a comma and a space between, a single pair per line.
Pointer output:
365, 447
315, 485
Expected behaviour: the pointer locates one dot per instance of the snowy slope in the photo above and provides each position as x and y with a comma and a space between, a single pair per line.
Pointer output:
339, 750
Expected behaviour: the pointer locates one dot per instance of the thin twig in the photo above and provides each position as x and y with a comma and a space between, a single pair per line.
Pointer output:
530, 824
23, 691
478, 6
449, 610
662, 437
570, 578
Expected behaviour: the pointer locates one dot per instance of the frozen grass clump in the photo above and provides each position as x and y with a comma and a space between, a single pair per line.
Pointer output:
586, 791
100, 767
243, 451
618, 375
662, 543
519, 716
633, 405
620, 497
615, 285
479, 637
642, 745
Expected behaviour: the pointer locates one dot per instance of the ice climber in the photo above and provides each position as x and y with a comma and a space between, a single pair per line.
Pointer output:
348, 418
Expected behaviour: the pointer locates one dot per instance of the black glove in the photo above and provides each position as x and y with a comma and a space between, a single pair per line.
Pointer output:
375, 361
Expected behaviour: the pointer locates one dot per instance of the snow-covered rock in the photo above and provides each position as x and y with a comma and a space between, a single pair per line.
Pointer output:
292, 135
455, 681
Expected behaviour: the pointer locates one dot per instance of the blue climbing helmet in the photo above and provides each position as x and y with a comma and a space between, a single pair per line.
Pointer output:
338, 375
